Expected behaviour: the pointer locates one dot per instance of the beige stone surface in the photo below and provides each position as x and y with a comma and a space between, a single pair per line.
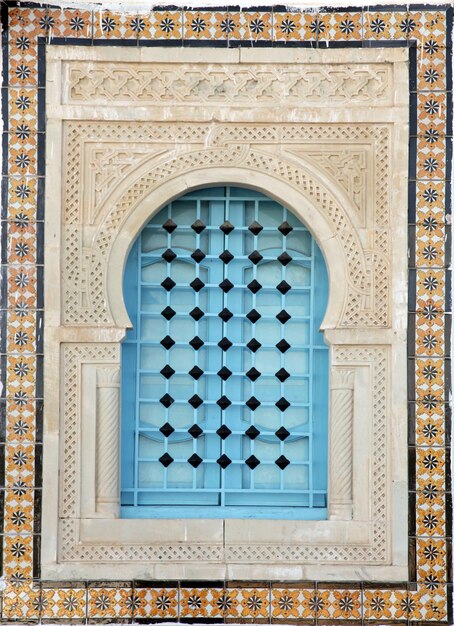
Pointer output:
325, 133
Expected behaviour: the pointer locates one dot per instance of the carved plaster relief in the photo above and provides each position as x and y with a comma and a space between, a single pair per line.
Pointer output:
135, 131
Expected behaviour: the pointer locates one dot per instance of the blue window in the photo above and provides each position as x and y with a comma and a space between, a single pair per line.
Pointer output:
225, 370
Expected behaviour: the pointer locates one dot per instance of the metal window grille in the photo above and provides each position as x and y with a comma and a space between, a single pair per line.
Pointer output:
225, 371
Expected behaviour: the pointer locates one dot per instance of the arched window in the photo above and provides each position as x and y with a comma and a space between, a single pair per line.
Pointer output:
225, 370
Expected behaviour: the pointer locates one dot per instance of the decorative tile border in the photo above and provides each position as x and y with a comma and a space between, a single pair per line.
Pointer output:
426, 595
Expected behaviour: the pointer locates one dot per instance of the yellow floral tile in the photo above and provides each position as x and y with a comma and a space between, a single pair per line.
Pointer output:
252, 26
347, 27
430, 252
224, 603
159, 602
106, 602
73, 23
429, 339
194, 602
431, 161
21, 283
254, 603
431, 74
316, 26
432, 108
110, 25
430, 285
23, 72
407, 25
166, 25
138, 26
287, 26
286, 603
432, 27
199, 25
407, 605
22, 159
381, 25
343, 603
430, 431
378, 604
18, 601
434, 602
430, 520
64, 603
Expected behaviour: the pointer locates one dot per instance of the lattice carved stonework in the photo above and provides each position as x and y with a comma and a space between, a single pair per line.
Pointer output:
323, 133
368, 297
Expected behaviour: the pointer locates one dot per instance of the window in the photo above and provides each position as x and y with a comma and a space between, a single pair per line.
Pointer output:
225, 371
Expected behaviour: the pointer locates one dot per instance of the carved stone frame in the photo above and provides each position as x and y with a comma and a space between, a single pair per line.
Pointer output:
114, 163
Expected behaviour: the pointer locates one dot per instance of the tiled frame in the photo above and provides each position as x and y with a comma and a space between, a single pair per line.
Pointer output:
426, 595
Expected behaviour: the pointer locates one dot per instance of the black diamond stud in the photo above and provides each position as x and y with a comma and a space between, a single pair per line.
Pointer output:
284, 258
282, 462
226, 285
252, 432
168, 284
198, 226
166, 459
253, 403
195, 431
225, 344
169, 255
195, 460
254, 286
224, 373
253, 374
283, 316
167, 371
226, 257
196, 372
255, 257
282, 404
283, 287
255, 228
282, 375
285, 228
223, 402
254, 345
168, 313
167, 342
166, 400
252, 462
282, 433
224, 461
225, 315
197, 284
169, 226
283, 346
198, 255
196, 313
223, 432
196, 343
195, 401
167, 429
253, 316
227, 227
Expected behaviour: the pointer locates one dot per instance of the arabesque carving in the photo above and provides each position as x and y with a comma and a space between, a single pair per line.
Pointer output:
244, 85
